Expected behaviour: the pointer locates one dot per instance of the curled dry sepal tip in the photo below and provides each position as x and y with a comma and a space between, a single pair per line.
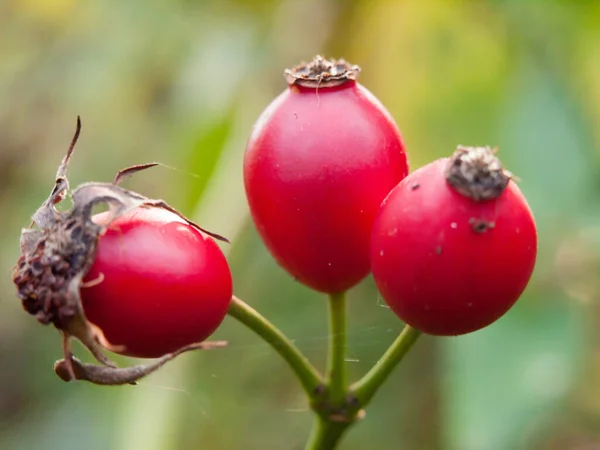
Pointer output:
109, 376
58, 250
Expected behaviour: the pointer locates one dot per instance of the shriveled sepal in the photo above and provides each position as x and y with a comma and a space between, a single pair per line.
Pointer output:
322, 73
477, 173
108, 376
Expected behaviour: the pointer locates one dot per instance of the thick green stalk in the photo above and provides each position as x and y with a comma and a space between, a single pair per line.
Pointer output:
367, 387
331, 422
309, 377
326, 435
337, 382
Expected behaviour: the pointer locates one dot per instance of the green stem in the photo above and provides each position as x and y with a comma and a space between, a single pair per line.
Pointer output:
326, 431
367, 387
336, 371
325, 435
334, 412
309, 377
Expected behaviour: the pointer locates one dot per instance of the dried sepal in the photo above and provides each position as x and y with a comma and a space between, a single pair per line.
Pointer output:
128, 171
477, 173
121, 200
73, 369
321, 72
58, 250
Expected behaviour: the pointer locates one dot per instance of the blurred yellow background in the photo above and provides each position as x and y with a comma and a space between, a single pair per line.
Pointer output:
181, 82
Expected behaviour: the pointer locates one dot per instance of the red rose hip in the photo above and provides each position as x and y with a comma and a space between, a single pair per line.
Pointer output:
156, 284
318, 163
454, 244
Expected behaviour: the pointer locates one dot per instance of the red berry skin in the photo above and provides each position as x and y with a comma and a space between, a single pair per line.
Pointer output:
165, 284
438, 274
317, 166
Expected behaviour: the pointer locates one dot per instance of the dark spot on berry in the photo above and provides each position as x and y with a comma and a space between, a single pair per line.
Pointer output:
480, 225
415, 186
438, 250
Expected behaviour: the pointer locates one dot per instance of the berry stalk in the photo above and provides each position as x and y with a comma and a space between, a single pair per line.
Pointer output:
332, 418
309, 377
336, 371
366, 388
329, 429
326, 435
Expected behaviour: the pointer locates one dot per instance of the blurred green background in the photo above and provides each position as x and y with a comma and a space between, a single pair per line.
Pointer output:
182, 82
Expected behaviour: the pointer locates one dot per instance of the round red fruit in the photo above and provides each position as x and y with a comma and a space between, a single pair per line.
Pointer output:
156, 285
318, 163
454, 244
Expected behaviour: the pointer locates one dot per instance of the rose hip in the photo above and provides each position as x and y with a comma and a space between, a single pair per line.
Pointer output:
454, 244
318, 163
161, 284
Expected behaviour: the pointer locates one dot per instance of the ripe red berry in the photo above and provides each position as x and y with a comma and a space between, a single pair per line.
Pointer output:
318, 163
157, 284
454, 244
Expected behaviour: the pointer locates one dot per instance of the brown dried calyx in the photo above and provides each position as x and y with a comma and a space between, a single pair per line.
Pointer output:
322, 73
58, 249
477, 173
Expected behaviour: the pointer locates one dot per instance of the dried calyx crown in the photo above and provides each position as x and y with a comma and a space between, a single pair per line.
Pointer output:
477, 173
57, 251
321, 72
